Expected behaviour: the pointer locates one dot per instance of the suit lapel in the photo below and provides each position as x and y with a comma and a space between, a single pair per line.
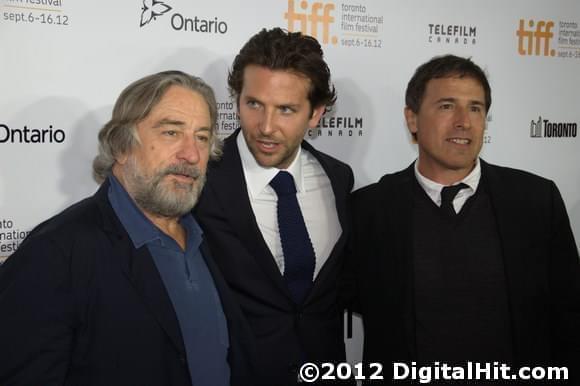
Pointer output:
340, 190
139, 267
230, 188
340, 187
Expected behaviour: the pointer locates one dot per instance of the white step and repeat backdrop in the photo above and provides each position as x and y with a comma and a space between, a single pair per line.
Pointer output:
64, 62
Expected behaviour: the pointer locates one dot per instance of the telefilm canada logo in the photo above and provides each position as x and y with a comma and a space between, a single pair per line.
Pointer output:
451, 34
152, 10
544, 128
345, 127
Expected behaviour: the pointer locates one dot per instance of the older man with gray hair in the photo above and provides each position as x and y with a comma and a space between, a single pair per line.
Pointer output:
119, 288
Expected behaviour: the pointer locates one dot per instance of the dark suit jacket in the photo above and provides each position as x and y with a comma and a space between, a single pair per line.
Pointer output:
281, 329
79, 306
539, 254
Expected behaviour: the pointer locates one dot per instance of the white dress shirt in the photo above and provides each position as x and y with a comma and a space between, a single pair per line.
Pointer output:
315, 198
433, 189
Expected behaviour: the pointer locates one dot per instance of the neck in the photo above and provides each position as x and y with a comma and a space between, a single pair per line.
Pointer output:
168, 225
445, 176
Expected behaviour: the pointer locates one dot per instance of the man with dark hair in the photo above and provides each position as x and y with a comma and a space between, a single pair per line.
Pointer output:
459, 260
120, 289
274, 209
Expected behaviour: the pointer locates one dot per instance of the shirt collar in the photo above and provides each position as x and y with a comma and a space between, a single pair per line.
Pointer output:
433, 189
140, 229
258, 177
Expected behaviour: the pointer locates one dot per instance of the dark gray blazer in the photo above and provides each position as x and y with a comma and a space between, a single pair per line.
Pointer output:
285, 335
539, 253
79, 305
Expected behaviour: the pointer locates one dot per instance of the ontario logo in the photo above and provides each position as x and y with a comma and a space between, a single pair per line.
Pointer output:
545, 128
151, 10
27, 135
154, 9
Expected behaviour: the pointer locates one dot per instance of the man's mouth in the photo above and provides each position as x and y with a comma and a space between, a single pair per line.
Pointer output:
184, 173
460, 141
267, 144
183, 176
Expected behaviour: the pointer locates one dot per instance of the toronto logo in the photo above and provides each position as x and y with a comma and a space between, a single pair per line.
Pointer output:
152, 9
550, 129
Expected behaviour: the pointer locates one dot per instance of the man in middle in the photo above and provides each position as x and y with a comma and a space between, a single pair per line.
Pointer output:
274, 209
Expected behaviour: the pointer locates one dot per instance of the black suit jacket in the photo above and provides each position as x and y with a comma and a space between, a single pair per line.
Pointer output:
285, 334
539, 253
79, 306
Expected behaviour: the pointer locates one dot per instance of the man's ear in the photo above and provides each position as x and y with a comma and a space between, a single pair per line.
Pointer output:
122, 158
411, 119
316, 115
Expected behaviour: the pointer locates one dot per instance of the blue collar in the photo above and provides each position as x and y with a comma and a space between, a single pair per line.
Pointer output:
140, 229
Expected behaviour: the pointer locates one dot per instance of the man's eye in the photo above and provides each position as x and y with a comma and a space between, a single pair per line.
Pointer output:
286, 110
202, 138
170, 133
446, 106
476, 109
252, 104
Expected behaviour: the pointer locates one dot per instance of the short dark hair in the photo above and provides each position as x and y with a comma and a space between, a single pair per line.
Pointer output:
278, 49
443, 67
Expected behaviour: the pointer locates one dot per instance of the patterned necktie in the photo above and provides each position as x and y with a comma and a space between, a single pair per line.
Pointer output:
448, 193
299, 257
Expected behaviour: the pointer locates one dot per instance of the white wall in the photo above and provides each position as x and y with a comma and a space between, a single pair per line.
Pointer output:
63, 63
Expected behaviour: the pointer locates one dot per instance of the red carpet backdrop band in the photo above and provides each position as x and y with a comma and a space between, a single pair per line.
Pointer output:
63, 63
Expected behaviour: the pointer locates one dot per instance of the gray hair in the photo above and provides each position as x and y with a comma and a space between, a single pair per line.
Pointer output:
119, 135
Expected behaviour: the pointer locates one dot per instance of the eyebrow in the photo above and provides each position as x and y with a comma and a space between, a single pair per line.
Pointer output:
294, 106
203, 129
289, 104
478, 103
175, 122
169, 121
471, 102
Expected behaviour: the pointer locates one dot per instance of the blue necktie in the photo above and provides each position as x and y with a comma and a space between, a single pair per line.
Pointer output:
299, 257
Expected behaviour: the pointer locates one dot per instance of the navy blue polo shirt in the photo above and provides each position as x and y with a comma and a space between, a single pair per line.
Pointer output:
189, 284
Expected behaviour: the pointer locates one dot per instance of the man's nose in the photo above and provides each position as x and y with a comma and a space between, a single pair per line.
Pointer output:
189, 150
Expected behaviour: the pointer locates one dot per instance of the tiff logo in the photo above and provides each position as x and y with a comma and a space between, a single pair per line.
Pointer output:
530, 41
536, 128
310, 20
